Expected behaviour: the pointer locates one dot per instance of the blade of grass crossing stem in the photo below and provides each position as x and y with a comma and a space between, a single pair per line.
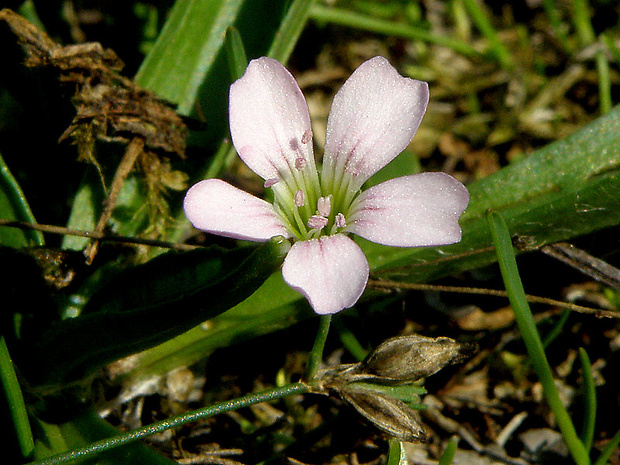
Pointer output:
531, 338
448, 454
15, 402
484, 25
582, 21
589, 415
604, 82
290, 29
610, 448
342, 17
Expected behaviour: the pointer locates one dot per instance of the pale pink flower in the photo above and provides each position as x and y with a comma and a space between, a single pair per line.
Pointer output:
373, 118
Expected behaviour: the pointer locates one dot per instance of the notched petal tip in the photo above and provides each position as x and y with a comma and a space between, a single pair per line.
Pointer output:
331, 272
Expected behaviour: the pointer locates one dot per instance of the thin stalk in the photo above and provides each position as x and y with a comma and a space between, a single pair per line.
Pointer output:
610, 448
354, 20
484, 25
557, 329
350, 342
396, 454
316, 354
449, 452
173, 422
531, 338
581, 17
290, 29
604, 82
589, 416
235, 53
555, 19
15, 402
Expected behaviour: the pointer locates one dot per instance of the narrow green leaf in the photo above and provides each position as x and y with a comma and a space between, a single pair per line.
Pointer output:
290, 29
396, 454
323, 13
88, 427
85, 208
484, 24
529, 333
589, 388
609, 449
14, 206
235, 53
148, 305
14, 402
186, 49
450, 451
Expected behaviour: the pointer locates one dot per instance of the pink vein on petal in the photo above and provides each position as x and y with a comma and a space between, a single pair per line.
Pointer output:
217, 207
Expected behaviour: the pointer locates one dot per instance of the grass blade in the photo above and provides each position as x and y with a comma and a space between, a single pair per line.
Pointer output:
589, 418
15, 402
529, 333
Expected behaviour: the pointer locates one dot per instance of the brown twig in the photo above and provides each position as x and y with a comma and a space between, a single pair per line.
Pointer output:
133, 151
51, 229
395, 285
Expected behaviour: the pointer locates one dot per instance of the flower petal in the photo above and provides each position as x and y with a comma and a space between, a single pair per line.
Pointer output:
331, 272
269, 120
219, 208
373, 118
411, 211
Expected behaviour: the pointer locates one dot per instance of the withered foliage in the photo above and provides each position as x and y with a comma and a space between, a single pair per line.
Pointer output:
399, 361
110, 108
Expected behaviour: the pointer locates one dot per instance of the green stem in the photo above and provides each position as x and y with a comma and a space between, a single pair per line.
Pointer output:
589, 416
604, 82
15, 402
582, 22
610, 448
580, 15
351, 19
484, 25
173, 422
531, 338
555, 19
316, 354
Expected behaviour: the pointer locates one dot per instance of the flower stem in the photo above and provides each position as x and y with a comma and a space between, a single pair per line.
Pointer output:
316, 354
221, 407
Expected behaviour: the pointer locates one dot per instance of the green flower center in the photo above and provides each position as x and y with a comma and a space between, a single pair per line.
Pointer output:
310, 208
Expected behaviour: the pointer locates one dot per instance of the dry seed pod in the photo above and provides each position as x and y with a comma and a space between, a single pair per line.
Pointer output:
391, 416
409, 358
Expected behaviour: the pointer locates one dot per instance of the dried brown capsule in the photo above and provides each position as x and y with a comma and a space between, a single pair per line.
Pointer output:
409, 358
391, 416
396, 363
